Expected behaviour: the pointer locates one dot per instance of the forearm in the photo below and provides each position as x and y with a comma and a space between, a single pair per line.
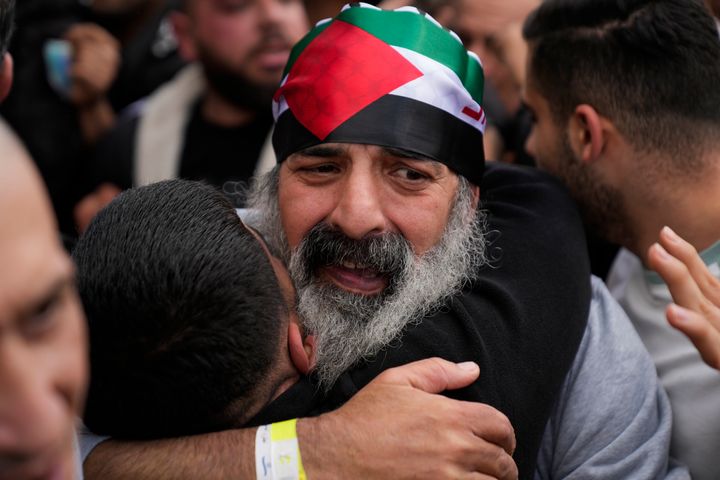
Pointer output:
219, 455
391, 419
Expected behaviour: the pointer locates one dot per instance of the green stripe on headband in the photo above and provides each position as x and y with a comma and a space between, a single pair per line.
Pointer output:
411, 31
300, 46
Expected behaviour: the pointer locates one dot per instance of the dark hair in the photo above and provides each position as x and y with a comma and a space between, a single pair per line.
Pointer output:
7, 25
184, 313
652, 67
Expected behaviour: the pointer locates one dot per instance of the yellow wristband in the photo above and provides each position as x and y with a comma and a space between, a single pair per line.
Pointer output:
286, 461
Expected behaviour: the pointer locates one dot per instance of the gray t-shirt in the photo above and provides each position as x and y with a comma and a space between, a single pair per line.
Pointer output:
613, 419
692, 386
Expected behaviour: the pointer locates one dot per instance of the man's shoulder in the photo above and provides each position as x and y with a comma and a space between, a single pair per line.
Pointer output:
611, 403
499, 174
522, 187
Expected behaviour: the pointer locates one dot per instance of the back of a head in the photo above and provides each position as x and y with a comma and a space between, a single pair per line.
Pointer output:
650, 66
184, 313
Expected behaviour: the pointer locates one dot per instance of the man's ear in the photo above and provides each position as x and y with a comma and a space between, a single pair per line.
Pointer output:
182, 26
476, 195
587, 133
302, 350
6, 76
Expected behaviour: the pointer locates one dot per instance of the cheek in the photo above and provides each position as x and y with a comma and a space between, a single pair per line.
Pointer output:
422, 223
296, 23
227, 38
72, 347
301, 208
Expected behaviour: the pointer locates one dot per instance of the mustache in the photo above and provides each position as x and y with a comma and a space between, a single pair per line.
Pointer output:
387, 254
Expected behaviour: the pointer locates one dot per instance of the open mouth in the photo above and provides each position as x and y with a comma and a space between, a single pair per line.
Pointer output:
355, 278
273, 54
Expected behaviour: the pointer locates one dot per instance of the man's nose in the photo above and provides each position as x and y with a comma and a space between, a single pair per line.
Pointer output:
270, 11
359, 208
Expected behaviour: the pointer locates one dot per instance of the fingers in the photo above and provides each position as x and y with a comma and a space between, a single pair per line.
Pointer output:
686, 253
92, 203
490, 425
82, 33
694, 289
432, 375
683, 288
703, 331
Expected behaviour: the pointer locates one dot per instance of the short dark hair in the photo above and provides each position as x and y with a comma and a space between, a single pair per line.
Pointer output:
184, 313
652, 67
7, 25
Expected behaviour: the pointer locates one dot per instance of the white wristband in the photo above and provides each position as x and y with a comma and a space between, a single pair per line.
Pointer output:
263, 453
277, 453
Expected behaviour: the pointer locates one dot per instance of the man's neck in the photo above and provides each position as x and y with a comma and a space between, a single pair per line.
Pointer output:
691, 208
218, 111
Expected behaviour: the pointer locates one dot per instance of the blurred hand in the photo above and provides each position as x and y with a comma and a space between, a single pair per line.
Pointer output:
92, 203
96, 61
696, 292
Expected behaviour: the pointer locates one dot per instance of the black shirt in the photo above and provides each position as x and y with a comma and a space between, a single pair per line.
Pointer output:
210, 152
219, 154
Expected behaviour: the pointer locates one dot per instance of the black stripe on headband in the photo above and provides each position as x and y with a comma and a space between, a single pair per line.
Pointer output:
398, 122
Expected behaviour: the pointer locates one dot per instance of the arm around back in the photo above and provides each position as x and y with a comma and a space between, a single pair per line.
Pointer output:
441, 437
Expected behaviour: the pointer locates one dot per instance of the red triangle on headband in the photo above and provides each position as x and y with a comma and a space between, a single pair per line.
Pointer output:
341, 72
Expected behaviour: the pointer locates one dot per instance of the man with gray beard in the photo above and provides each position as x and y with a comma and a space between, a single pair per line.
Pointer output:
352, 327
378, 204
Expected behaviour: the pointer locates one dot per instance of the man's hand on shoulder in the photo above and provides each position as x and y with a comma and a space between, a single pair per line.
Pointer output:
398, 427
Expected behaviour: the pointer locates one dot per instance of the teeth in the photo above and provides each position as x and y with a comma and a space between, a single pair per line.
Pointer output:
353, 265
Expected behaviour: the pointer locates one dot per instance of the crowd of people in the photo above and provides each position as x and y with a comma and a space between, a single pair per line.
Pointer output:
431, 239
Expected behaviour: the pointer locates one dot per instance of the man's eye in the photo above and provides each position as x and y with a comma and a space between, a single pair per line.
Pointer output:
410, 174
324, 168
43, 319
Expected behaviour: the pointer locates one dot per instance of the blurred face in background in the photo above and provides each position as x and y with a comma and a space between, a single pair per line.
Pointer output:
43, 352
242, 44
481, 25
117, 7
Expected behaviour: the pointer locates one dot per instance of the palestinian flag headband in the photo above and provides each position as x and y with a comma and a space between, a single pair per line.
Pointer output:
389, 78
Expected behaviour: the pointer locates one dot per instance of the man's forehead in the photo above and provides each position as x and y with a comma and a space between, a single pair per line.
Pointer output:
346, 149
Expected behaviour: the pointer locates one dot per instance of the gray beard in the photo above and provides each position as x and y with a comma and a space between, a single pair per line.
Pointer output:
350, 328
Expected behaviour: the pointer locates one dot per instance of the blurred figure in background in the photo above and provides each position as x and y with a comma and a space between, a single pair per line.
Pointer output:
73, 76
210, 122
628, 116
482, 25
